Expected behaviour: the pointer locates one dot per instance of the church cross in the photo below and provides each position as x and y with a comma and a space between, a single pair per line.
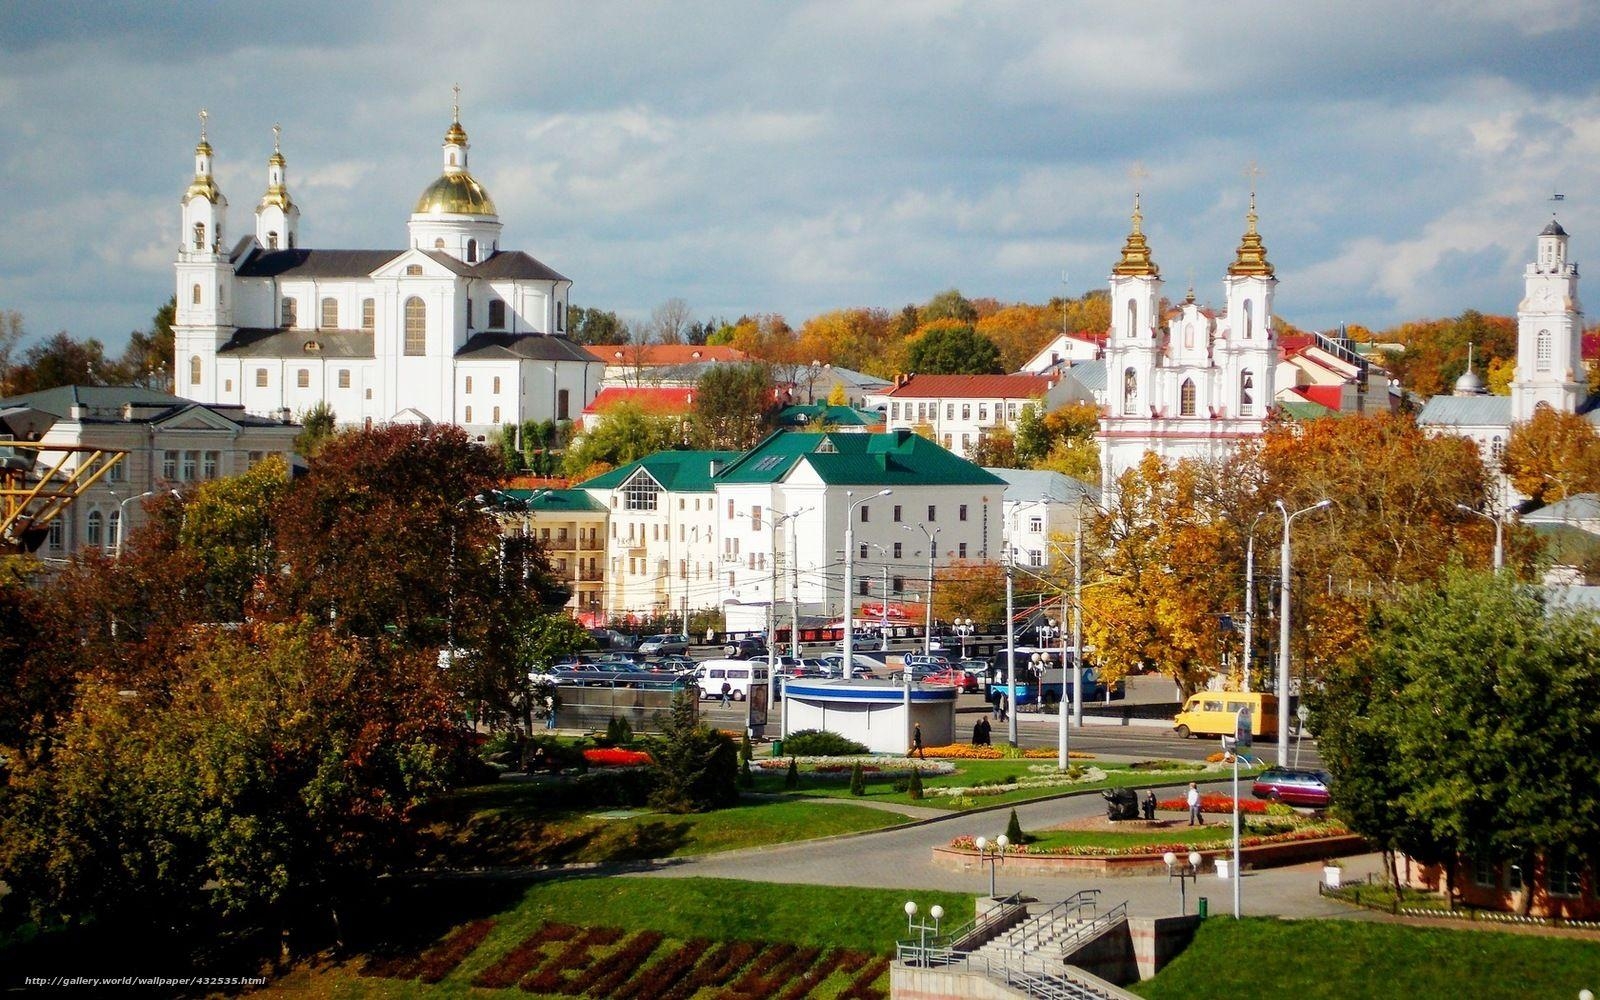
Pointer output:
277, 131
203, 117
455, 102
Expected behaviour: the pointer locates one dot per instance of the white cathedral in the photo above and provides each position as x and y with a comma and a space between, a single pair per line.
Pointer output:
1189, 385
452, 329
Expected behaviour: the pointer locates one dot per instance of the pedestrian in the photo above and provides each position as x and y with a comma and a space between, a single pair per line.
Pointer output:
916, 741
984, 731
977, 732
1150, 805
727, 691
1005, 706
549, 711
994, 701
1194, 805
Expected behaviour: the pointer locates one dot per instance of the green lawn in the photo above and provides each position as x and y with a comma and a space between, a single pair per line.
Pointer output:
1352, 960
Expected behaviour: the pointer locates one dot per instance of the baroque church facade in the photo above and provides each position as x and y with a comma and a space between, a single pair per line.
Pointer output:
450, 329
1190, 384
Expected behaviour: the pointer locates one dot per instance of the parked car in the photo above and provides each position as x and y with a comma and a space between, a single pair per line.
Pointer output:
660, 645
865, 666
1294, 787
748, 648
675, 663
610, 638
862, 641
955, 677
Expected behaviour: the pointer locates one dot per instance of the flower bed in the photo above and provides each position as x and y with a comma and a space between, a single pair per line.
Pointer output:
1313, 831
840, 767
616, 757
969, 751
1211, 802
1051, 779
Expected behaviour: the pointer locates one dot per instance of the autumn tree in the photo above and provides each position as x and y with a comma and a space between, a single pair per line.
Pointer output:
953, 349
734, 406
1554, 456
1435, 352
62, 360
970, 589
147, 360
628, 433
848, 338
1019, 332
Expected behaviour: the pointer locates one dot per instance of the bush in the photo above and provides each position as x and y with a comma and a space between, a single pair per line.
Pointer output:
548, 753
699, 766
791, 780
858, 781
746, 779
914, 786
818, 743
745, 752
619, 732
1014, 829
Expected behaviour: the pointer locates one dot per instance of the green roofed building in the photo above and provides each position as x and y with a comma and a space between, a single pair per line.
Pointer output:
571, 524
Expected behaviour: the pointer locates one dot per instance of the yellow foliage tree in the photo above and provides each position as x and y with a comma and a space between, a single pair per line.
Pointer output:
1553, 456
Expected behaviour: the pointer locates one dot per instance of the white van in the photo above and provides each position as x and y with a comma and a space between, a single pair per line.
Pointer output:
737, 674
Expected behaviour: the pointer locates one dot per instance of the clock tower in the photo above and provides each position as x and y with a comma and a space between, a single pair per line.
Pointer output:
1549, 332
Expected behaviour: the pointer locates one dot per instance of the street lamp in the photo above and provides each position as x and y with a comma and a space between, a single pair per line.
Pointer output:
1250, 596
122, 516
1183, 874
778, 517
992, 857
964, 627
933, 547
922, 927
849, 580
1283, 627
1499, 536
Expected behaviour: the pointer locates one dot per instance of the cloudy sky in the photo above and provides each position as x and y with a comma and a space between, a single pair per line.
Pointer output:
802, 157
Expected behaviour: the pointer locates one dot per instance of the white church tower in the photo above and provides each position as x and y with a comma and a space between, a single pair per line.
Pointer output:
277, 216
204, 279
1549, 332
455, 214
1247, 352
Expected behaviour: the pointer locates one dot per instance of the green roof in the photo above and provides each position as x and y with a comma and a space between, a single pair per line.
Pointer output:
1306, 409
814, 414
676, 471
898, 458
556, 501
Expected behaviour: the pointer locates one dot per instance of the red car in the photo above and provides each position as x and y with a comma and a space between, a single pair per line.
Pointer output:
956, 678
1295, 788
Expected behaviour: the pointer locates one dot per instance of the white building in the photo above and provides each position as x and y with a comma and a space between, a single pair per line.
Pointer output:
1043, 510
451, 329
1191, 385
961, 410
170, 443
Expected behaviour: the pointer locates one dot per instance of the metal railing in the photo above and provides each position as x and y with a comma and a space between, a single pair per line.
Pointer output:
1070, 909
1002, 911
1095, 925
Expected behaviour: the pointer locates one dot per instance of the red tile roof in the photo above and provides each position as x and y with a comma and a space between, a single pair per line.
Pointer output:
1328, 395
973, 386
657, 399
1291, 344
663, 354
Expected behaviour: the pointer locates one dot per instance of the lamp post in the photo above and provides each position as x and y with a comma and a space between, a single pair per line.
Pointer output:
1283, 627
1077, 635
1499, 535
778, 518
1184, 874
992, 857
922, 927
1250, 596
849, 577
122, 516
964, 627
933, 548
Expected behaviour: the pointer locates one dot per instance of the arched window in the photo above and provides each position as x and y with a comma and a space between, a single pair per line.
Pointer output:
452, 157
1188, 336
438, 244
416, 327
1130, 393
272, 239
1247, 394
369, 313
330, 313
469, 385
194, 369
1542, 349
1133, 318
199, 235
194, 295
94, 533
1186, 398
114, 530
472, 251
1497, 448
468, 418
291, 240
561, 405
1249, 320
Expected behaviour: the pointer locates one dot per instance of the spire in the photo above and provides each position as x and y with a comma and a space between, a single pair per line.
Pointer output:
277, 182
456, 136
1251, 260
1135, 252
203, 185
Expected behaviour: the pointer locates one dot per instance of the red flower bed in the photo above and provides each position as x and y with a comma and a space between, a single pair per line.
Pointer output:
1210, 802
520, 961
617, 757
575, 957
661, 978
862, 988
438, 961
845, 768
602, 978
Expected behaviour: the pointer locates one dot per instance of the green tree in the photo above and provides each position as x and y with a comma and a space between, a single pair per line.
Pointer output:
627, 434
699, 765
147, 360
953, 349
595, 326
734, 406
317, 425
951, 305
62, 360
227, 526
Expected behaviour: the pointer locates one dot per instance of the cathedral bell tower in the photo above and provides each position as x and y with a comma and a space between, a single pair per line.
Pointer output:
1136, 337
1549, 332
1248, 351
455, 215
204, 280
277, 216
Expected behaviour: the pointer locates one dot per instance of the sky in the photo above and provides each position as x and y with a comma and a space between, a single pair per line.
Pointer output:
798, 158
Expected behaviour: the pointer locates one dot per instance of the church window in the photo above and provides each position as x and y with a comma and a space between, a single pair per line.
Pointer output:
95, 529
497, 314
469, 385
369, 312
1130, 393
261, 378
1133, 318
468, 417
1186, 398
199, 235
416, 327
1497, 448
413, 270
452, 157
227, 385
291, 241
1542, 350
1247, 394
561, 405
302, 379
194, 295
496, 417
272, 240
344, 378
1249, 320
1188, 336
330, 313
194, 370
288, 312
561, 316
472, 251
369, 393
438, 244
497, 385
469, 314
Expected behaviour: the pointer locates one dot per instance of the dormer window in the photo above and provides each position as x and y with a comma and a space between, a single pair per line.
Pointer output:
413, 270
438, 244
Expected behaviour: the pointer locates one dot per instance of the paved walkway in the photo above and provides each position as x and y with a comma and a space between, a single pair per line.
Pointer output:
901, 858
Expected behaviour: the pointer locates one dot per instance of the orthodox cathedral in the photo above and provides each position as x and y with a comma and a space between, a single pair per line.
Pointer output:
1191, 384
451, 329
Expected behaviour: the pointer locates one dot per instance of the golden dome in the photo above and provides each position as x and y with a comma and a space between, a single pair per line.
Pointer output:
1136, 252
455, 193
457, 136
1251, 259
204, 187
277, 195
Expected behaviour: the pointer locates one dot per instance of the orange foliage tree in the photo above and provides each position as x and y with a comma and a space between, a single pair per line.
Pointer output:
1553, 456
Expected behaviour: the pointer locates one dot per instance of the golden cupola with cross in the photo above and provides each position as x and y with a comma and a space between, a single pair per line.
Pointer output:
1251, 257
277, 216
1136, 260
455, 214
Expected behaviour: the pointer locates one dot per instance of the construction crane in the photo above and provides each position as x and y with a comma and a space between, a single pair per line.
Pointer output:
39, 482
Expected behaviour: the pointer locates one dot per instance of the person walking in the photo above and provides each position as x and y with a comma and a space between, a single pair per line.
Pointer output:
549, 711
1194, 805
916, 741
984, 729
1005, 706
727, 691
